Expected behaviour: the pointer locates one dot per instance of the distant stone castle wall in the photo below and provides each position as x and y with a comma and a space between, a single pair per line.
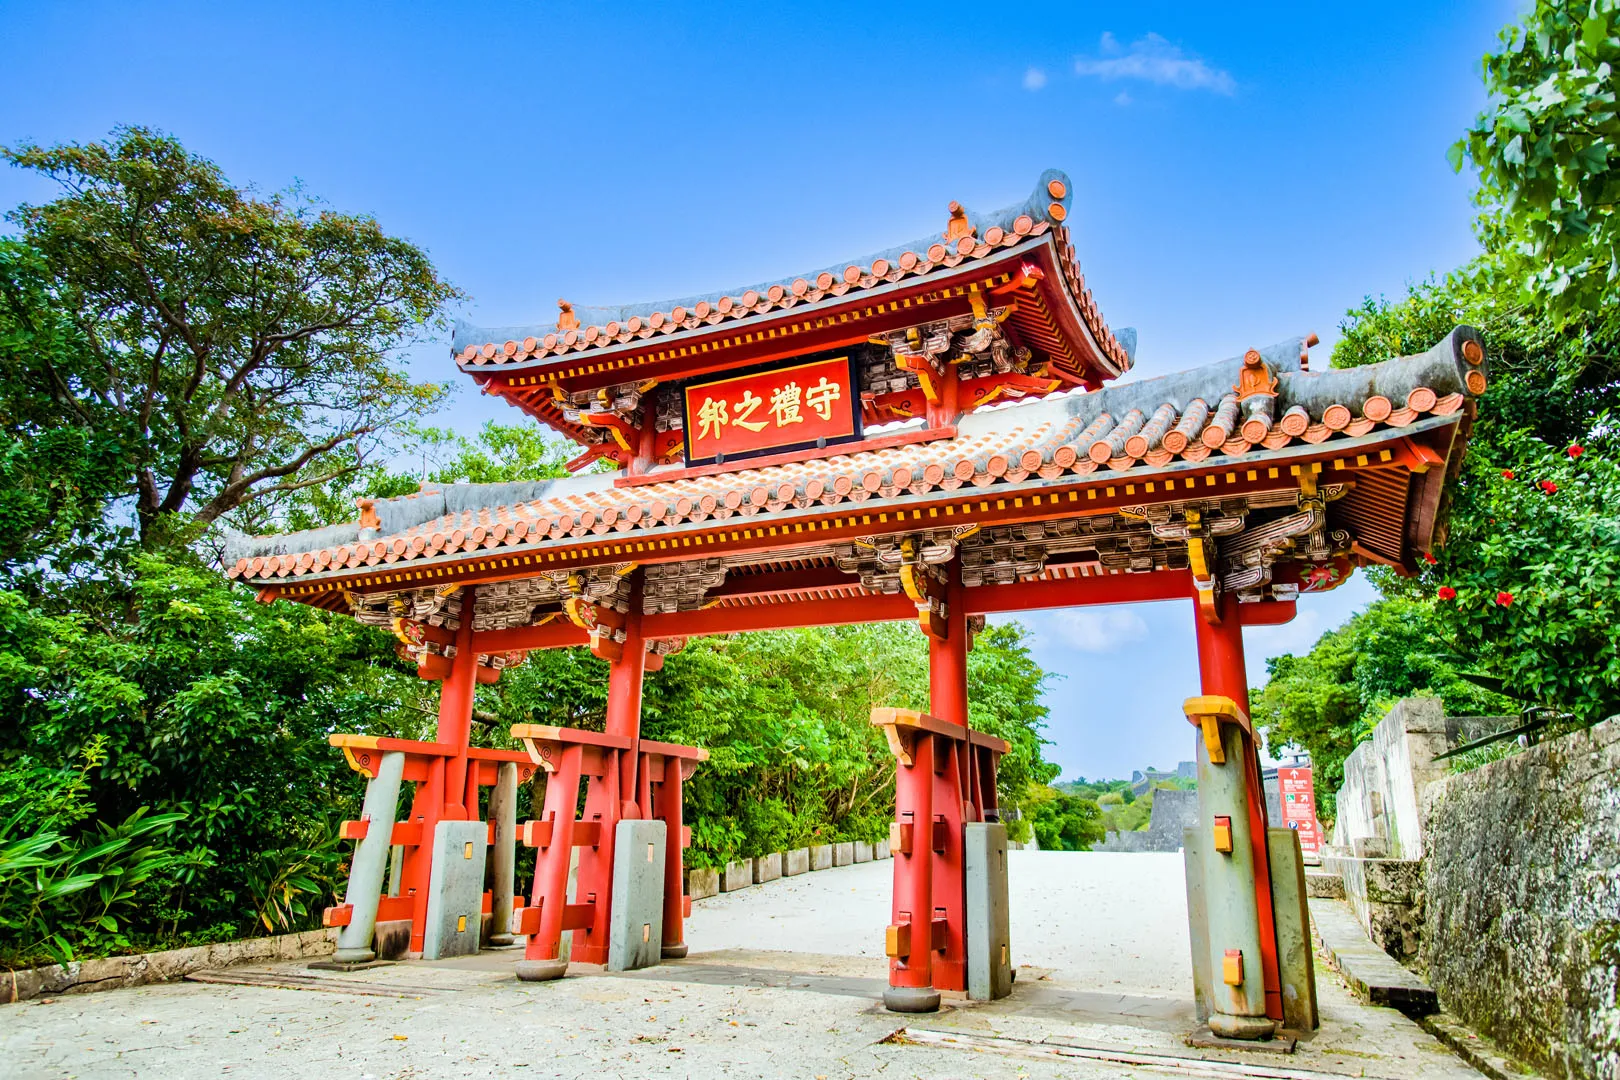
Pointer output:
1173, 811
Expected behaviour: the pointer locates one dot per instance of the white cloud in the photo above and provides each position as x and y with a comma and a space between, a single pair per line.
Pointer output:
1034, 79
1097, 630
1155, 60
1122, 99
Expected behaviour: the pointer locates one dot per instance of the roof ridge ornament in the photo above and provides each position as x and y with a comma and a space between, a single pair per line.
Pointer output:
959, 225
1255, 379
566, 319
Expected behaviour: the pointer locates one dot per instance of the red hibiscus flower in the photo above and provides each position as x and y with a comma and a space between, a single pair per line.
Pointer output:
1446, 592
1507, 474
1428, 557
1549, 487
1576, 450
1505, 599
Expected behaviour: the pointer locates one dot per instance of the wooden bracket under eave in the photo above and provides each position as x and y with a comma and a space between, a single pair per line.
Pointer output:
1198, 561
1207, 713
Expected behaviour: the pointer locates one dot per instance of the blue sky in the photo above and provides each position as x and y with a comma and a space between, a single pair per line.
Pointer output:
1242, 173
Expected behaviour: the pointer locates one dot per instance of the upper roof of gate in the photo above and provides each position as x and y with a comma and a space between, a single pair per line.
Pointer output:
1023, 250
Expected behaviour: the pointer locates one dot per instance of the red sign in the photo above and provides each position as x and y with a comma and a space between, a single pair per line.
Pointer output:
1299, 809
784, 408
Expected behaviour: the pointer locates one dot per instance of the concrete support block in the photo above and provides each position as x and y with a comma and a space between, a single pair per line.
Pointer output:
393, 939
796, 862
1293, 922
767, 868
989, 936
636, 923
1192, 856
702, 884
503, 853
880, 850
455, 889
863, 851
370, 862
821, 857
843, 854
738, 875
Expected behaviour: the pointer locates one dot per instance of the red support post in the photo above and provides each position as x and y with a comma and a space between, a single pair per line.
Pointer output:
455, 711
947, 658
668, 807
1222, 672
947, 410
926, 940
624, 695
911, 970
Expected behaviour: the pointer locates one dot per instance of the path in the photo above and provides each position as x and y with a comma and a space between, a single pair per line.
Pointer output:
782, 981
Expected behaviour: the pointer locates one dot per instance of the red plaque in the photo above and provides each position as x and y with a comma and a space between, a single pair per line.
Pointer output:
1298, 799
772, 411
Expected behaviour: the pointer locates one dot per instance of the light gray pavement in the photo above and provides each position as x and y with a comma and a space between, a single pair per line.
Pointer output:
782, 981
1098, 921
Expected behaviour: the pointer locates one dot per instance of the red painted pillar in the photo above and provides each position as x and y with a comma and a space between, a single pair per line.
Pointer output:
624, 696
947, 670
669, 810
911, 976
1222, 671
645, 455
455, 711
947, 410
947, 660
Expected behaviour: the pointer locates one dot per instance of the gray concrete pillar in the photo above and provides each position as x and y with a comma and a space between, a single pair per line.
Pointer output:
989, 936
370, 861
636, 921
1237, 1005
503, 856
1295, 964
455, 889
1192, 854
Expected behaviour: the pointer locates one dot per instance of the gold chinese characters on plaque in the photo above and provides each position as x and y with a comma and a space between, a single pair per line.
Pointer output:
781, 409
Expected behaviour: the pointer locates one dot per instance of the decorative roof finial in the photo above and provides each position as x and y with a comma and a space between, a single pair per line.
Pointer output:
959, 225
566, 319
1255, 379
368, 514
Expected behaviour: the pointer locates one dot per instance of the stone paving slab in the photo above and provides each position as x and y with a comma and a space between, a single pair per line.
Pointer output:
1370, 971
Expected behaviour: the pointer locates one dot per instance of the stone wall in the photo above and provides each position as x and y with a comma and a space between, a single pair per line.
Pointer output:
1173, 811
1379, 814
1521, 934
113, 972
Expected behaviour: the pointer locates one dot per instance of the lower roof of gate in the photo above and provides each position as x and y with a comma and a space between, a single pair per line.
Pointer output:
1135, 433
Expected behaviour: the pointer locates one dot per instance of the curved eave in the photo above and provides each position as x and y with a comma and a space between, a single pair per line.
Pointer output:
1034, 498
1052, 314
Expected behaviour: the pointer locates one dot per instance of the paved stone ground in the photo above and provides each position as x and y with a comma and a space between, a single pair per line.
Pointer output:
782, 981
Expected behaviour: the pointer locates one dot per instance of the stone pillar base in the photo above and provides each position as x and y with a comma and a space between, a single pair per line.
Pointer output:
673, 952
1241, 1027
911, 999
541, 970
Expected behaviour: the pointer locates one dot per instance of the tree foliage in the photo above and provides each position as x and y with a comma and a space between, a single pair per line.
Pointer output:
1063, 822
244, 345
1522, 584
1548, 154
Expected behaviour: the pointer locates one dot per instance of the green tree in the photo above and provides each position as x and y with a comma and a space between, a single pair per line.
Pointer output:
56, 473
1547, 152
1328, 700
1063, 822
246, 343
